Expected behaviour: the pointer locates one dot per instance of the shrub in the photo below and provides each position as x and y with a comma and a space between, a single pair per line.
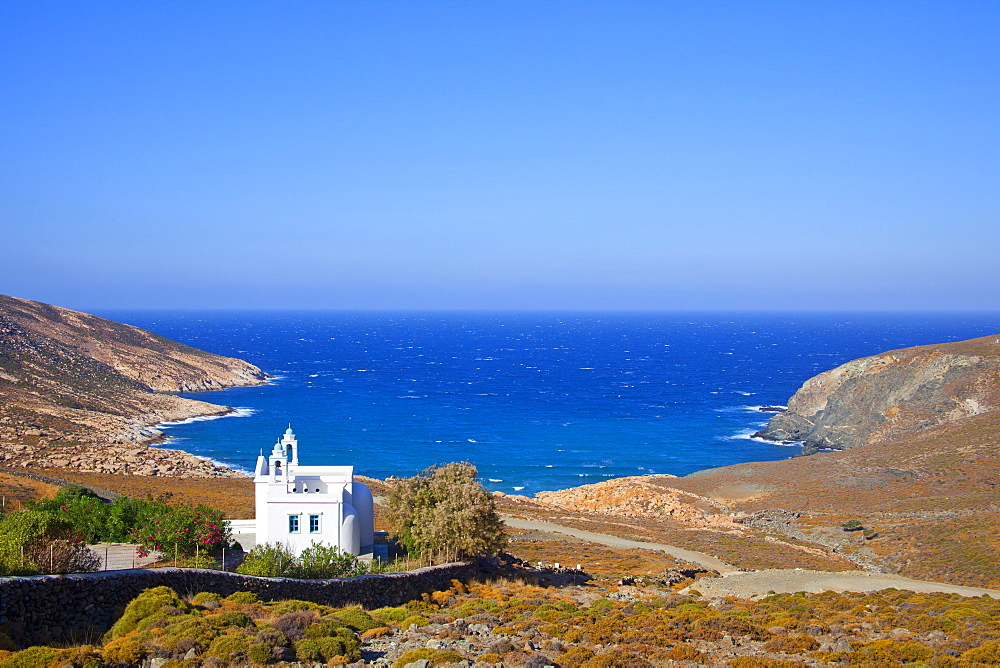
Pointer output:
162, 527
914, 652
85, 656
576, 657
259, 652
269, 560
388, 615
31, 657
294, 605
148, 603
231, 647
357, 619
19, 532
209, 597
988, 653
378, 632
684, 653
613, 659
230, 618
243, 598
754, 662
150, 522
445, 509
61, 555
308, 650
189, 631
444, 656
271, 636
413, 655
328, 561
419, 620
792, 644
734, 626
125, 651
324, 628
318, 561
294, 624
342, 643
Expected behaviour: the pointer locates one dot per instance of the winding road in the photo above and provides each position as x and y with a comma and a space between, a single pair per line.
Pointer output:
750, 584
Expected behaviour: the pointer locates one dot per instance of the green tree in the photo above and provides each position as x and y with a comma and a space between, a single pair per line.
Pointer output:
34, 541
445, 509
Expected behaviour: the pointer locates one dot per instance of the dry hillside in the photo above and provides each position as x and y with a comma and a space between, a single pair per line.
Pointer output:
73, 383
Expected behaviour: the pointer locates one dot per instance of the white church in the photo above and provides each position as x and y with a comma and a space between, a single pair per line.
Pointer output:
298, 505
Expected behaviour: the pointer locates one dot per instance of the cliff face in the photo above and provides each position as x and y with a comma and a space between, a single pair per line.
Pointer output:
67, 376
892, 395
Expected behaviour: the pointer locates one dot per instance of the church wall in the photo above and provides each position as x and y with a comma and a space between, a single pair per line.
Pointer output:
329, 513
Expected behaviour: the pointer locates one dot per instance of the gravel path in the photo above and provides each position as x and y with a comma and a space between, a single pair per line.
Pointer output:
699, 558
747, 584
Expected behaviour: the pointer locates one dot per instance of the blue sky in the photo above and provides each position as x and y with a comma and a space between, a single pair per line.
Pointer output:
495, 155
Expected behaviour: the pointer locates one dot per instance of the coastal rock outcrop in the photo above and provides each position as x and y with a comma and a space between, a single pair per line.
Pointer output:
892, 395
640, 496
69, 379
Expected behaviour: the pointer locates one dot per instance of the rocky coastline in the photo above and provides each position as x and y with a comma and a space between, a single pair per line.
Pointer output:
86, 393
892, 395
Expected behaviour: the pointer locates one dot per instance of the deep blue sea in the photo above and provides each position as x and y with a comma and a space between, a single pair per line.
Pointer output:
537, 401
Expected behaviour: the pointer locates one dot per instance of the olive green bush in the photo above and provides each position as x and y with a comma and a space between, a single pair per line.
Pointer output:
445, 510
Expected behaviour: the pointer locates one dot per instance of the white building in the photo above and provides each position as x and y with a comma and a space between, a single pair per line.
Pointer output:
298, 505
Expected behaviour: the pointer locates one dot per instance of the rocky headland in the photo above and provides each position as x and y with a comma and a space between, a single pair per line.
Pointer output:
891, 395
87, 392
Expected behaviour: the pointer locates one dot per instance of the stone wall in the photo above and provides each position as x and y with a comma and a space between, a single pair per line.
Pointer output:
79, 607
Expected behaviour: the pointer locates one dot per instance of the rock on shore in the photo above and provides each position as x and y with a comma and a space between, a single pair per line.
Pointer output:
73, 380
892, 395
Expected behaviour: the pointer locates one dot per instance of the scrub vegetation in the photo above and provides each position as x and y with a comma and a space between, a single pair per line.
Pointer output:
515, 623
273, 560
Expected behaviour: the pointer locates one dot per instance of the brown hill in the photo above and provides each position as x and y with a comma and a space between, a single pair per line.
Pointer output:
895, 394
70, 378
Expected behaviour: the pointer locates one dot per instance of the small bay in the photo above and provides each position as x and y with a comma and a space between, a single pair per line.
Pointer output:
536, 400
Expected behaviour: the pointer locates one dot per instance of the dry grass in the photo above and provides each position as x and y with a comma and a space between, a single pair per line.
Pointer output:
599, 560
15, 490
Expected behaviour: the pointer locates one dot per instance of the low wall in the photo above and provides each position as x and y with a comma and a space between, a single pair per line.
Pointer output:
46, 608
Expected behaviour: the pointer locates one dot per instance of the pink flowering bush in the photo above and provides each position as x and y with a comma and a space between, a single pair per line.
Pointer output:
151, 523
189, 528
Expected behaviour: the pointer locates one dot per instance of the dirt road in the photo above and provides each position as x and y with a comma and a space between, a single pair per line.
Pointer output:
749, 584
699, 558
